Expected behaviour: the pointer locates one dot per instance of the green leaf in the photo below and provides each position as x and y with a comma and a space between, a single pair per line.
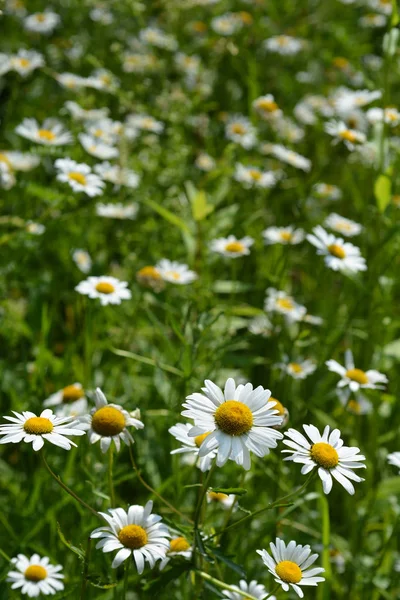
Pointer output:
395, 14
234, 490
383, 191
73, 549
200, 206
229, 563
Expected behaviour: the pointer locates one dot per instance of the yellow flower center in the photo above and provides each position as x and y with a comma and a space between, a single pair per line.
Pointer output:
282, 40
336, 250
233, 417
199, 439
149, 272
354, 406
35, 573
217, 496
254, 174
108, 421
357, 375
285, 303
296, 367
238, 129
340, 62
324, 455
179, 544
147, 123
234, 247
71, 393
174, 274
105, 288
278, 406
24, 62
288, 571
40, 17
348, 135
78, 177
5, 159
286, 236
267, 105
98, 132
133, 536
46, 134
38, 425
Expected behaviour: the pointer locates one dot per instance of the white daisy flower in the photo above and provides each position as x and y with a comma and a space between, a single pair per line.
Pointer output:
178, 546
191, 445
354, 378
117, 175
19, 161
108, 289
205, 162
261, 325
70, 81
225, 500
239, 129
35, 228
360, 405
79, 177
226, 24
35, 576
394, 459
290, 565
299, 369
154, 36
280, 302
284, 44
26, 61
231, 247
42, 22
134, 533
27, 427
81, 114
50, 133
350, 137
82, 260
144, 123
342, 225
290, 157
390, 115
69, 401
266, 107
384, 6
254, 177
283, 235
257, 590
175, 272
339, 255
7, 177
240, 419
117, 211
103, 79
346, 100
326, 191
109, 422
327, 453
96, 148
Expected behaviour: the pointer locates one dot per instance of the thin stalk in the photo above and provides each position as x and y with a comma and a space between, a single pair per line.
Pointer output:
324, 592
126, 577
110, 475
225, 586
276, 589
85, 570
199, 506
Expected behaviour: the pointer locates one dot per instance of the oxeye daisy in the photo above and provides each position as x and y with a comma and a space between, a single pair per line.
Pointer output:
135, 532
144, 123
350, 137
342, 225
355, 378
326, 191
42, 22
394, 459
150, 276
27, 427
284, 44
280, 302
26, 61
289, 564
291, 158
257, 590
205, 162
339, 255
109, 422
69, 401
97, 148
35, 575
82, 260
225, 500
191, 445
266, 107
79, 177
299, 369
283, 235
175, 272
231, 247
327, 453
117, 211
50, 133
239, 129
178, 546
239, 419
117, 175
254, 177
108, 289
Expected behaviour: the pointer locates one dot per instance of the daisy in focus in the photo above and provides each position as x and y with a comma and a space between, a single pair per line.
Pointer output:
191, 445
108, 290
27, 427
342, 225
79, 177
257, 590
134, 533
50, 133
283, 235
355, 378
327, 453
35, 576
175, 272
290, 565
69, 401
339, 255
108, 423
231, 247
238, 420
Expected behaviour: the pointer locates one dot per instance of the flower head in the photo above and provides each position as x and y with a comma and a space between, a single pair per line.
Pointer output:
257, 590
79, 177
355, 378
50, 133
339, 255
231, 247
175, 272
108, 289
191, 445
35, 576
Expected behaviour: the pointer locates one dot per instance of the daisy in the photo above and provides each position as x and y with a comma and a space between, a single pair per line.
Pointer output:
284, 44
81, 114
102, 79
239, 129
282, 411
384, 6
26, 61
342, 225
96, 148
326, 191
261, 325
42, 22
257, 590
135, 532
226, 24
239, 420
357, 406
225, 500
109, 422
50, 133
394, 459
150, 277
82, 260
339, 255
205, 162
156, 37
7, 177
191, 445
350, 137
280, 302
175, 272
117, 211
254, 177
290, 565
117, 175
283, 235
231, 247
20, 161
372, 20
134, 62
79, 177
291, 158
354, 378
345, 99
145, 123
69, 401
70, 81
327, 453
300, 369
35, 228
27, 427
34, 576
390, 115
266, 107
178, 546
108, 289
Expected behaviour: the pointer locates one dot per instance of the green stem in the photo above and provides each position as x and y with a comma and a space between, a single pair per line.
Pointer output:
66, 488
324, 591
110, 475
199, 506
225, 586
85, 570
276, 589
126, 577
4, 555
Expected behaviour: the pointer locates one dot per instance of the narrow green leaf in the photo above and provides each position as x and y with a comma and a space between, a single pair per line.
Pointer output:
167, 215
383, 191
200, 207
234, 490
73, 549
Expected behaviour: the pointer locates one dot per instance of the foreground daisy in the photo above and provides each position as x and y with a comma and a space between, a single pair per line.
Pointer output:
231, 247
290, 565
178, 546
257, 590
69, 401
135, 533
50, 133
175, 272
327, 453
79, 177
339, 255
109, 422
239, 420
34, 576
27, 427
354, 378
191, 445
109, 290
283, 235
